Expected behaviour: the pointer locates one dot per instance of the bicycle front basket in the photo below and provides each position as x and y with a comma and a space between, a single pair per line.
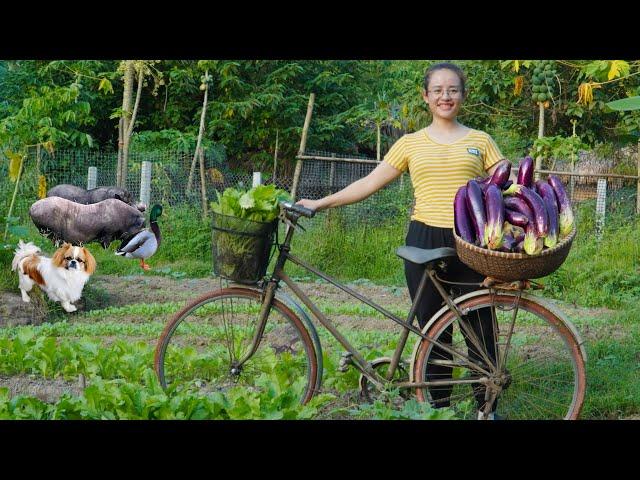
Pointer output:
241, 247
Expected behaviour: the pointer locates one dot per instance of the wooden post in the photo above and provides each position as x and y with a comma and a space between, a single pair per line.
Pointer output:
145, 184
92, 177
303, 145
540, 135
203, 186
601, 203
378, 143
638, 188
275, 159
38, 160
332, 175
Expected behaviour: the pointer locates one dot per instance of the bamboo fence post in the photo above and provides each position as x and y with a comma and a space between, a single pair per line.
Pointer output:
203, 187
303, 146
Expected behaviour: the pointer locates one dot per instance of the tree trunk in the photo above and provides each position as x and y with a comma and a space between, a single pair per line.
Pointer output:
127, 94
120, 144
13, 198
200, 133
129, 131
540, 135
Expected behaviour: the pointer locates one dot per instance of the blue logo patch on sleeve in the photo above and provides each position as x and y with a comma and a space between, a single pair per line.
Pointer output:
474, 151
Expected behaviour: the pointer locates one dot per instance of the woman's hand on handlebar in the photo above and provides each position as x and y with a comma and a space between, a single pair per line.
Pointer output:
314, 205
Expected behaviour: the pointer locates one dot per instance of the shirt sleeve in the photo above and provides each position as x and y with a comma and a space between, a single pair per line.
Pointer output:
397, 155
492, 154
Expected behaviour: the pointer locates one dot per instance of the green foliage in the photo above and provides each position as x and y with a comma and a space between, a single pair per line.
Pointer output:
557, 147
259, 204
383, 408
122, 386
625, 104
600, 273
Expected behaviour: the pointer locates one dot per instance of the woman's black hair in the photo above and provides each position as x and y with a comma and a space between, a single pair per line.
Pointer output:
445, 66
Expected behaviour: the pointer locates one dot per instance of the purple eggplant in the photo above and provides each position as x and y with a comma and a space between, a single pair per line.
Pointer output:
516, 218
463, 224
501, 173
518, 205
549, 198
507, 184
519, 248
540, 217
475, 205
525, 172
508, 243
564, 205
533, 244
495, 217
483, 183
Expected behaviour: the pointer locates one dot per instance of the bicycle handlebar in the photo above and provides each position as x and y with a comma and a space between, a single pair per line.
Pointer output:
299, 209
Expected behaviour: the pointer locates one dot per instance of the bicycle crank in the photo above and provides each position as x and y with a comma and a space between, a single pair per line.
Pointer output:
368, 390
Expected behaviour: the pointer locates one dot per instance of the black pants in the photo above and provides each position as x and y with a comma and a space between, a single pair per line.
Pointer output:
426, 236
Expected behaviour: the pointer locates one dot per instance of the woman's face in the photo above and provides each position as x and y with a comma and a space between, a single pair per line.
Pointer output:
444, 95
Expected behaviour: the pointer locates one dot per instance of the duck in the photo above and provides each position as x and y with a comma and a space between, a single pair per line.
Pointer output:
144, 243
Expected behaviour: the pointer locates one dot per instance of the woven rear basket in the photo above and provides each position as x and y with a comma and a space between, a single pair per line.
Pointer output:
513, 266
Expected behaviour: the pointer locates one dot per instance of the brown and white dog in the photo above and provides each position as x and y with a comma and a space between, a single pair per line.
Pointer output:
62, 277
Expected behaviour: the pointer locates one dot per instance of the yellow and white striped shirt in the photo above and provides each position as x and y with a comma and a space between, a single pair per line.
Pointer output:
437, 170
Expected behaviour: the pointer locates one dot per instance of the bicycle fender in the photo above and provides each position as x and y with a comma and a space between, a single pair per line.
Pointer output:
290, 302
552, 308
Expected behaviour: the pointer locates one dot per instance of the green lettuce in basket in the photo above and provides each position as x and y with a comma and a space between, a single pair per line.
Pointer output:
259, 204
239, 257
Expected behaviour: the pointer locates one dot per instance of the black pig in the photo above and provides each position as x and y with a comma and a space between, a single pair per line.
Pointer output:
63, 220
95, 195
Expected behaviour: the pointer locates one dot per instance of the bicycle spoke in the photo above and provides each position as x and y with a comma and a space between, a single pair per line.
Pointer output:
211, 337
538, 375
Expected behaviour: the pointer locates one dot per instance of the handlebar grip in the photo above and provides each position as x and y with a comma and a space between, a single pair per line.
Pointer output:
299, 209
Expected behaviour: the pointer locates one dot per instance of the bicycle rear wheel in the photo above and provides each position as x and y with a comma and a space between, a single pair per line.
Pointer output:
202, 345
542, 374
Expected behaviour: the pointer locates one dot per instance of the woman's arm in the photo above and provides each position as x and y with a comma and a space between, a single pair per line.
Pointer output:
382, 175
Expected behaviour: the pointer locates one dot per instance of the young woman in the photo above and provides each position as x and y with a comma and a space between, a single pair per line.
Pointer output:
440, 158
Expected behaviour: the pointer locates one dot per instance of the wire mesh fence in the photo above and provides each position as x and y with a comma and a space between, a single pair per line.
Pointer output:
603, 195
322, 173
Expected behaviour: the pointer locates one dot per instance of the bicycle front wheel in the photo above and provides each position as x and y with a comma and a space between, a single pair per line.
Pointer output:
534, 363
207, 346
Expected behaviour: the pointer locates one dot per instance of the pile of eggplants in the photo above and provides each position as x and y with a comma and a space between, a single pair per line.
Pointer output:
521, 217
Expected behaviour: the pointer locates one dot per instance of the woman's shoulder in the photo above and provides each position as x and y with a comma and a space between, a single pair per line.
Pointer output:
480, 134
413, 137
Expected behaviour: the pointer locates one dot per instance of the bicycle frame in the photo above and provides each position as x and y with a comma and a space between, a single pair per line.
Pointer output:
357, 359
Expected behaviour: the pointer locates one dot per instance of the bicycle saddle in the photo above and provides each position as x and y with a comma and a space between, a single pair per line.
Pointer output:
422, 256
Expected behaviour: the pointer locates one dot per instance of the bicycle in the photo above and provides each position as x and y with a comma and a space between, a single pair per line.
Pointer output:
533, 369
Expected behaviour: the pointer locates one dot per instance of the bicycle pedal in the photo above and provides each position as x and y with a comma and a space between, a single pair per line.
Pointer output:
345, 362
